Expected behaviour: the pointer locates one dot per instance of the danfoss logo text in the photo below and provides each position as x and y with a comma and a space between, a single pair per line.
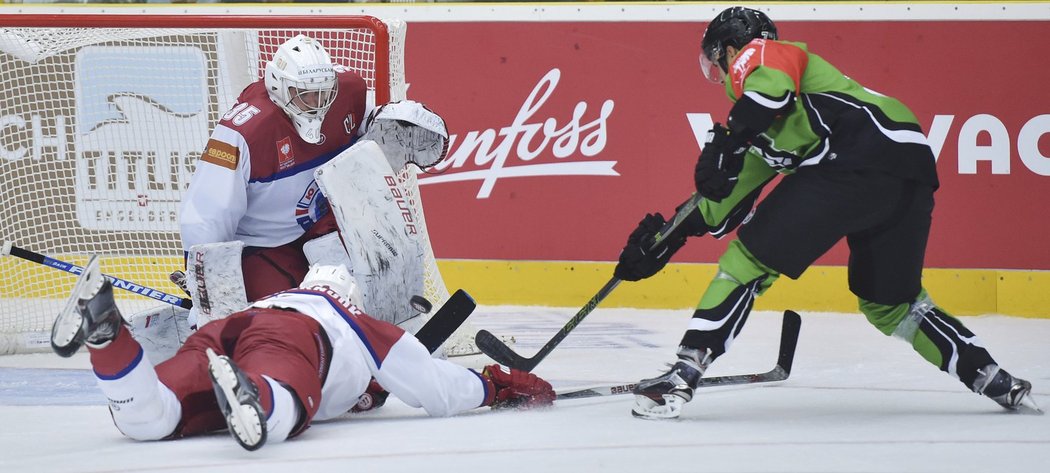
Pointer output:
508, 151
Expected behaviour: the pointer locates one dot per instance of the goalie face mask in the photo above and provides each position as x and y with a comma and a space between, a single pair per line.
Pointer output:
301, 80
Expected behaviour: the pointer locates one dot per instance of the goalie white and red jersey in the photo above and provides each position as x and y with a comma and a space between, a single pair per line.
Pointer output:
254, 181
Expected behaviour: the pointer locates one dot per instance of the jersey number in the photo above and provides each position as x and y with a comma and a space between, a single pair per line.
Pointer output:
241, 113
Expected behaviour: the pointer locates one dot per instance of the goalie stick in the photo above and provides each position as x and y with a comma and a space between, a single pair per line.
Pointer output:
10, 249
492, 346
780, 372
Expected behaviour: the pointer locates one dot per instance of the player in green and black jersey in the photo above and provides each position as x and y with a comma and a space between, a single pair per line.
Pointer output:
857, 166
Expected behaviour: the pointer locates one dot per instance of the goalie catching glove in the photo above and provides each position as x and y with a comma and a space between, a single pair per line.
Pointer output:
508, 388
408, 132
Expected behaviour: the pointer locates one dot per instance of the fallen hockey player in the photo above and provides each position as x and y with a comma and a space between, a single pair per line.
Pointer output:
267, 371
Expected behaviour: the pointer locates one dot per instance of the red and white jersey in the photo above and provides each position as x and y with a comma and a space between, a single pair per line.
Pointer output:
255, 181
363, 348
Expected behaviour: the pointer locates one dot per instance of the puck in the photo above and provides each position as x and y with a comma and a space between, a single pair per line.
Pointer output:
421, 304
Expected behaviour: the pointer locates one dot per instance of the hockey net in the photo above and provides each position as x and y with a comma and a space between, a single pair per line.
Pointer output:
102, 119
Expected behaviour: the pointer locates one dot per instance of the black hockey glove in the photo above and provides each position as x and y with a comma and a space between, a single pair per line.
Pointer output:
639, 260
720, 163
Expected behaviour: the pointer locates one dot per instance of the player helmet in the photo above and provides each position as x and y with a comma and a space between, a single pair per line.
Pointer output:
300, 78
735, 26
334, 277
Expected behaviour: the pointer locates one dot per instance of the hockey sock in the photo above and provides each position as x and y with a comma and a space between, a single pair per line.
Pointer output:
937, 336
724, 308
715, 329
142, 407
116, 356
285, 413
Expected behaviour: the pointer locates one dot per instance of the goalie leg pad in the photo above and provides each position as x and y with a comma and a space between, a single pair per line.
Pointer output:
327, 250
216, 280
160, 330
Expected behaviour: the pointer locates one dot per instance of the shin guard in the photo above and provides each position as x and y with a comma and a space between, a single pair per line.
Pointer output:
940, 338
717, 327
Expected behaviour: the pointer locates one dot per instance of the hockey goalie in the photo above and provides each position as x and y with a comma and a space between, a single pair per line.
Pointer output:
301, 171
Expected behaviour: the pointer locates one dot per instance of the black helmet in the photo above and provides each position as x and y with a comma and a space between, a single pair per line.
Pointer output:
735, 26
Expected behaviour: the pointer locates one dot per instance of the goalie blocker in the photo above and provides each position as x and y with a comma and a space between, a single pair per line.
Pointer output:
378, 229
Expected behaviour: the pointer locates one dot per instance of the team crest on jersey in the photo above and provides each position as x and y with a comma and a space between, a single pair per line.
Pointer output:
743, 62
285, 156
349, 123
311, 206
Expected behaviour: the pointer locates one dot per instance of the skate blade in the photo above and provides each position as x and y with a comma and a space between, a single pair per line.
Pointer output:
68, 324
646, 408
244, 421
65, 331
1029, 407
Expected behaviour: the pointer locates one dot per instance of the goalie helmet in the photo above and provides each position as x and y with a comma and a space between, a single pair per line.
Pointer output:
735, 26
301, 79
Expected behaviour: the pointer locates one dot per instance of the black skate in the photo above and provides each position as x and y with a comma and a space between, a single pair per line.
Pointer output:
1012, 393
238, 399
662, 397
90, 315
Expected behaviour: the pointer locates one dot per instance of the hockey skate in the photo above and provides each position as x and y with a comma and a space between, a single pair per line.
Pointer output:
662, 397
90, 315
238, 399
1012, 393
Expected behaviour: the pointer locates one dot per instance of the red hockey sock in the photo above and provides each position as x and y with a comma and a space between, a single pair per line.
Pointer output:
117, 356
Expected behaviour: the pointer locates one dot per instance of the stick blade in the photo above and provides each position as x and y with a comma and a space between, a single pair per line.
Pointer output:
494, 348
788, 341
446, 320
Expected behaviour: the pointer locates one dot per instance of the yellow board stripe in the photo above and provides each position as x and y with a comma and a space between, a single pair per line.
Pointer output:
821, 288
572, 284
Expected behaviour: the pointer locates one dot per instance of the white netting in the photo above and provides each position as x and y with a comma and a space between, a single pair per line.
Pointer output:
100, 130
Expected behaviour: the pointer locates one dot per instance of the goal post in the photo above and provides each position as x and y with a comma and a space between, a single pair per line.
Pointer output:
102, 120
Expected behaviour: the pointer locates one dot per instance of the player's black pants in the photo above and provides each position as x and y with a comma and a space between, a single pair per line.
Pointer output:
885, 220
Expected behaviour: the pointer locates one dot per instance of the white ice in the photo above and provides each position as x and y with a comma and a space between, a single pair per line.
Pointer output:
856, 401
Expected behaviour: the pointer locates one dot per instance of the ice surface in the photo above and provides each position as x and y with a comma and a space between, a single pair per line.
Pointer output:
857, 401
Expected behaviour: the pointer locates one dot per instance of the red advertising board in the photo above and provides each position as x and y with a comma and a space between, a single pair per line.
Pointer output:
567, 133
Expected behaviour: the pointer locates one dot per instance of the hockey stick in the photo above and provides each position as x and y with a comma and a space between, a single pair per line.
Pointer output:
780, 372
446, 320
10, 249
492, 346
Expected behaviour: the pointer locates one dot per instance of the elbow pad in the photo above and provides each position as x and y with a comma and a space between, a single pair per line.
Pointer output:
754, 113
